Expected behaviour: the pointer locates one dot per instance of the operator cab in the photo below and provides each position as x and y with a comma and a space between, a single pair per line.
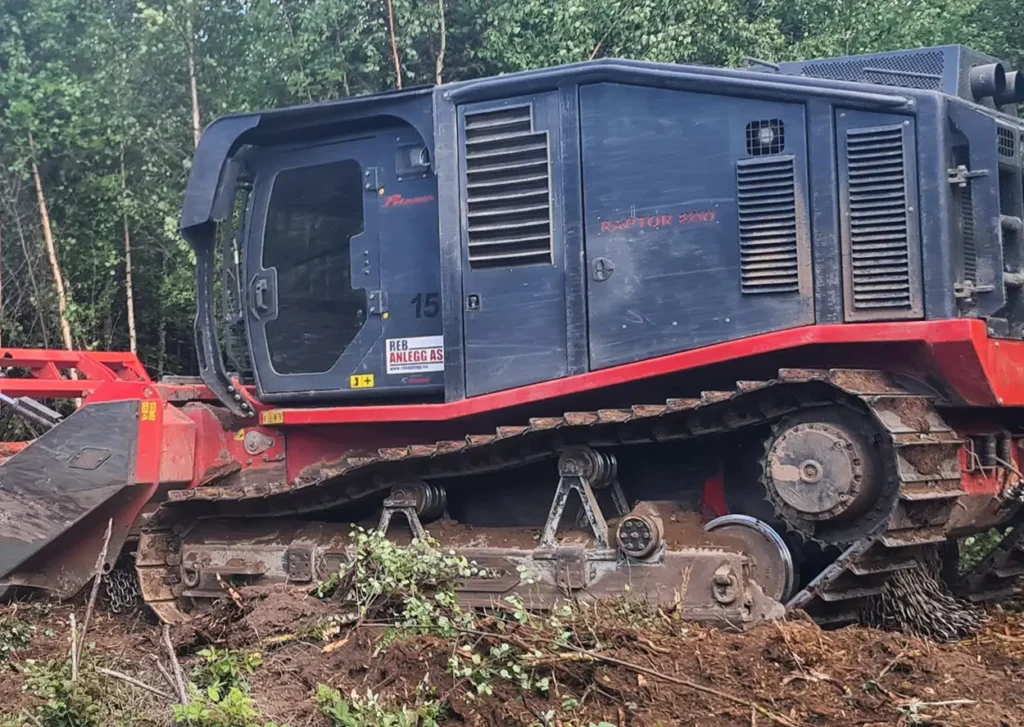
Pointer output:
341, 268
327, 228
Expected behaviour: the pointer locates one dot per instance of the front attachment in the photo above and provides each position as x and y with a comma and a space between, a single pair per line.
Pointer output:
60, 491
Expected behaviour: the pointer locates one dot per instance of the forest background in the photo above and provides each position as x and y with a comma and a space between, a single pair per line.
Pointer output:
102, 103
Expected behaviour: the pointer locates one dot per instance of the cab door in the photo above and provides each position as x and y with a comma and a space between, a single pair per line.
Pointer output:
312, 271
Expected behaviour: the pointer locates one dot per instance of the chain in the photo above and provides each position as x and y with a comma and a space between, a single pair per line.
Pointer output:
122, 588
915, 601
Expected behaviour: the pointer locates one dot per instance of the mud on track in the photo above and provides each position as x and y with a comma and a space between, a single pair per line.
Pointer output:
795, 671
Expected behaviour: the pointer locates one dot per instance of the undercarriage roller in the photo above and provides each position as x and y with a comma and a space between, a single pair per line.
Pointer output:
430, 500
772, 562
598, 468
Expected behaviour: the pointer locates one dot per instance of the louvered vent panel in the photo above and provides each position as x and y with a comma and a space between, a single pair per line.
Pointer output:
508, 189
766, 198
1007, 148
879, 233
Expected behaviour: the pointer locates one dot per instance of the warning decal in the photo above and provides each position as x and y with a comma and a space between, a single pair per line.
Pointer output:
415, 355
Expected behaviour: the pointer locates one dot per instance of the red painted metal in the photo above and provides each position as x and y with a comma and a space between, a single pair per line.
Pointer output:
50, 372
989, 481
713, 503
983, 371
59, 374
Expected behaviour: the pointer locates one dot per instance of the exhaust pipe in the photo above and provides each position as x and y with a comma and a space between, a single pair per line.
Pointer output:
988, 80
1014, 92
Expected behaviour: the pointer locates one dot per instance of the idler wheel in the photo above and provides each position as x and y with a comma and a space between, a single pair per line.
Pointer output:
773, 567
823, 470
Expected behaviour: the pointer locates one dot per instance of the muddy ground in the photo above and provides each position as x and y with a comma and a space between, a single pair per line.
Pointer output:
643, 670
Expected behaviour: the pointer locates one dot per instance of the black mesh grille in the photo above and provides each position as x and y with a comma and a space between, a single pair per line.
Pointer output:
508, 193
922, 69
1007, 147
766, 199
970, 250
879, 233
766, 137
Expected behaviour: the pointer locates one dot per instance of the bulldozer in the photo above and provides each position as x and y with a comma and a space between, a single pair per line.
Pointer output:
736, 342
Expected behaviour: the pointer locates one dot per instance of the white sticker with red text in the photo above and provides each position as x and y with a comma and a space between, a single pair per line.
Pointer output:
415, 355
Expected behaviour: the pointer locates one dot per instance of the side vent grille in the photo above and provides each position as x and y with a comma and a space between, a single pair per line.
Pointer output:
765, 137
1007, 148
769, 244
970, 248
879, 234
508, 195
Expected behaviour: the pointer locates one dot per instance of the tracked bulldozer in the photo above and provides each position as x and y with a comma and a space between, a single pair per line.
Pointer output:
729, 341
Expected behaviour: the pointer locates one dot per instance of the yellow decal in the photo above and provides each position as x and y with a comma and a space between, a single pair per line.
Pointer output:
273, 416
148, 411
361, 381
240, 435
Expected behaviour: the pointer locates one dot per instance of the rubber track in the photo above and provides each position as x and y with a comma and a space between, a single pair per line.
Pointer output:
925, 462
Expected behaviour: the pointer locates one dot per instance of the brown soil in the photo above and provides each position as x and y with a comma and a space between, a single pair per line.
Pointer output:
647, 672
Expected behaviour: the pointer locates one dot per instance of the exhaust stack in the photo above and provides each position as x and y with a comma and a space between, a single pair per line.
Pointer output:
988, 80
1014, 92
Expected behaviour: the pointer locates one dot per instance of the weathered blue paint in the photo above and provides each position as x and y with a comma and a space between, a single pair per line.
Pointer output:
627, 141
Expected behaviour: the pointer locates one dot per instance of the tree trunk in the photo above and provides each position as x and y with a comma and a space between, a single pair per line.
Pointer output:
193, 86
128, 290
439, 63
51, 251
1, 283
161, 342
31, 273
394, 45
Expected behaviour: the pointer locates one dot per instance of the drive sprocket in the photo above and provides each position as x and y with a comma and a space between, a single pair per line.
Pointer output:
829, 475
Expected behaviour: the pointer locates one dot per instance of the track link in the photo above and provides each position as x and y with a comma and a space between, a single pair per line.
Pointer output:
923, 453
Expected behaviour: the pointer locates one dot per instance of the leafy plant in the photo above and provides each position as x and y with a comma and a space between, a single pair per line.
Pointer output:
65, 703
14, 636
369, 711
220, 691
975, 548
413, 585
233, 708
223, 670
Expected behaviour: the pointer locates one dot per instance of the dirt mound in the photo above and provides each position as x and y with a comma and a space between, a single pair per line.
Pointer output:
789, 673
639, 670
258, 616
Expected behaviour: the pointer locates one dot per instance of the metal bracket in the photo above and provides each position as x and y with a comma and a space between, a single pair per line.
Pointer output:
299, 565
961, 175
371, 179
591, 511
968, 289
401, 503
378, 302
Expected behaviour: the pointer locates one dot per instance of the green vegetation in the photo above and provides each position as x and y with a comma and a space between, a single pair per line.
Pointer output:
15, 636
412, 589
64, 702
104, 99
368, 711
975, 548
220, 692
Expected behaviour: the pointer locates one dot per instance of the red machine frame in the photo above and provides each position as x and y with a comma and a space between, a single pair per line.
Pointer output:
183, 443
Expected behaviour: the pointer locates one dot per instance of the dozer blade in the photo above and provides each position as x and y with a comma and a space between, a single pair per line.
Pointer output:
57, 494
